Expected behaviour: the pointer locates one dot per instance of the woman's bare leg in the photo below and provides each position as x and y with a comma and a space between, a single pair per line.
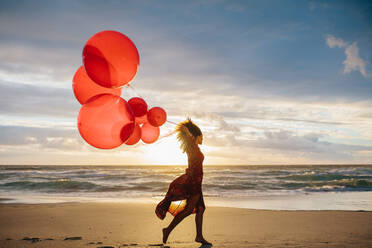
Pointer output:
199, 226
191, 203
199, 222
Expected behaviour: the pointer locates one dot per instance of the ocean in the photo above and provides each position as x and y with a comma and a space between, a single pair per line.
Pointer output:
327, 187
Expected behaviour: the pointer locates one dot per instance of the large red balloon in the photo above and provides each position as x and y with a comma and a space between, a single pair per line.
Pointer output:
110, 59
156, 116
84, 87
135, 137
104, 121
127, 131
149, 133
138, 106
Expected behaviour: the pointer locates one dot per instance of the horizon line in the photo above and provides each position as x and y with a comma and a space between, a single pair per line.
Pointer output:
209, 165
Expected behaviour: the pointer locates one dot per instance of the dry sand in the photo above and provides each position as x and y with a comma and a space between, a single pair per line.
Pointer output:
135, 225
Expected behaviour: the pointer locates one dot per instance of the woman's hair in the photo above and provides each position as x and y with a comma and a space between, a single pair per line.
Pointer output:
183, 137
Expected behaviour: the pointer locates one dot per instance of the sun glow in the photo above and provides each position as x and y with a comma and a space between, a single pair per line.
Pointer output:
165, 151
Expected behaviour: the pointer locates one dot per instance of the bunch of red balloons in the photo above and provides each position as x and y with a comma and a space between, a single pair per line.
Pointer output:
106, 120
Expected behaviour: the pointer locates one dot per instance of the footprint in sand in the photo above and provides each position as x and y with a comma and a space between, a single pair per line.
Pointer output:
95, 243
73, 238
124, 245
161, 245
33, 240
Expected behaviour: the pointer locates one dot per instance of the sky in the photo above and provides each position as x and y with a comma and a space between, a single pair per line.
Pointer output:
268, 82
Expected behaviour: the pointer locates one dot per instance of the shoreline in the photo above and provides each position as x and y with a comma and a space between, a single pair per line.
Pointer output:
123, 224
180, 165
344, 201
146, 203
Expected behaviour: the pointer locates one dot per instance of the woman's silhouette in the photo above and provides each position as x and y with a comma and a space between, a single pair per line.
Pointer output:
188, 185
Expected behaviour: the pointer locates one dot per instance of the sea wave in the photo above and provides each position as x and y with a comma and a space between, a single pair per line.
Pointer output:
62, 185
154, 180
351, 184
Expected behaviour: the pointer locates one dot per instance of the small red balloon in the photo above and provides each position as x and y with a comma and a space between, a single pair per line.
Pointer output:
156, 116
138, 106
110, 59
84, 87
149, 133
103, 118
136, 135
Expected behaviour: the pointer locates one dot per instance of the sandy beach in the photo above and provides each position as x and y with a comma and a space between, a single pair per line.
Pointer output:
135, 225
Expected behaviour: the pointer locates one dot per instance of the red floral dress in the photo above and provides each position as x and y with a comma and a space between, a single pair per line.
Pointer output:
186, 185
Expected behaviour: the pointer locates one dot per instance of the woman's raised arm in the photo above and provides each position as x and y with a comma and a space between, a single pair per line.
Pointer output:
187, 132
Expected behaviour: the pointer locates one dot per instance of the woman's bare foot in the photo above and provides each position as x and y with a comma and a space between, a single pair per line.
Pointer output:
165, 235
202, 240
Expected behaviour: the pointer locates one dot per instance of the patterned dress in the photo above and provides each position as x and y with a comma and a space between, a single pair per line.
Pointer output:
186, 185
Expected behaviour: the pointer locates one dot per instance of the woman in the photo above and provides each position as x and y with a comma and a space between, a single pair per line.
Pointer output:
188, 185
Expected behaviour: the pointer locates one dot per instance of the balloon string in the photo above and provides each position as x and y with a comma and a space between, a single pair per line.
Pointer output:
167, 135
171, 122
135, 91
170, 133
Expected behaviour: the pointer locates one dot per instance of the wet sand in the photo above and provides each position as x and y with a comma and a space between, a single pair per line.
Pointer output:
135, 225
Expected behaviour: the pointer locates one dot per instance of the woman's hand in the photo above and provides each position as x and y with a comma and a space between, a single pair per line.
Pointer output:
186, 130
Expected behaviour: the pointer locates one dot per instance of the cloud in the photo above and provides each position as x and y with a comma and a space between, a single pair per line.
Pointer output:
288, 144
312, 146
335, 42
352, 62
217, 120
29, 100
43, 138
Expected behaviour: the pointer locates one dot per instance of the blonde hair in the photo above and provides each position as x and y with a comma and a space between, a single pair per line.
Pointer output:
187, 143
